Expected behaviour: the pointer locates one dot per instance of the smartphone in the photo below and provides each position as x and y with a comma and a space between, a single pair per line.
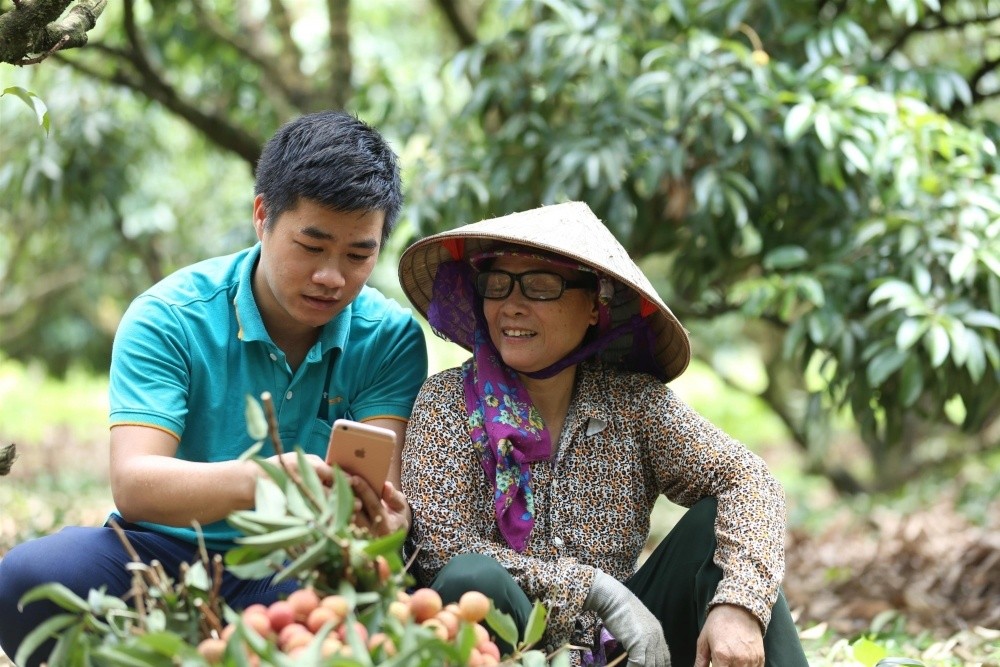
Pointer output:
363, 450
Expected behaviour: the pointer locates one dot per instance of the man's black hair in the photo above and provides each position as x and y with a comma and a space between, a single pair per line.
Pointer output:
333, 159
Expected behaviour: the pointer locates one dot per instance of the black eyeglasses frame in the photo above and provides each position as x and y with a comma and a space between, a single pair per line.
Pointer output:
482, 276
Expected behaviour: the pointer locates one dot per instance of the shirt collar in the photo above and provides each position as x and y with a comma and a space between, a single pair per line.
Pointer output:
334, 333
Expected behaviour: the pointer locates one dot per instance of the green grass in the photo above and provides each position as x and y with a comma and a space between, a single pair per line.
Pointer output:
32, 404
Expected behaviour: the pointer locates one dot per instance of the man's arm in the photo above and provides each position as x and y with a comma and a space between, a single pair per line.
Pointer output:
149, 484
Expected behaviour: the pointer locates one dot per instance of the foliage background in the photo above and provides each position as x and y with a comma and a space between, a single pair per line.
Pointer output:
812, 187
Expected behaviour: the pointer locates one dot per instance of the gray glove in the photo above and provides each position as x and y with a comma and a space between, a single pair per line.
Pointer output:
627, 618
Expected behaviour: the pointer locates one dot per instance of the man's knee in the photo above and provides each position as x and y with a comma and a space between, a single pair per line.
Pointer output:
20, 571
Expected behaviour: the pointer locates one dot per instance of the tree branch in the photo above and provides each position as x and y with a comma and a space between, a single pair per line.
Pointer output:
40, 287
289, 49
940, 25
34, 28
341, 64
215, 128
283, 75
464, 29
985, 69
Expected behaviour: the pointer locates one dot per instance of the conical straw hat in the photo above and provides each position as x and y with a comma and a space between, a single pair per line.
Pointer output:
573, 231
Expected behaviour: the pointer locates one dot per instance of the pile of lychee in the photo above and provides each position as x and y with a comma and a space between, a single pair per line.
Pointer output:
293, 623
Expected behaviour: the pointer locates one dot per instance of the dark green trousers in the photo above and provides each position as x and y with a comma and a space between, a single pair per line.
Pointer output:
676, 583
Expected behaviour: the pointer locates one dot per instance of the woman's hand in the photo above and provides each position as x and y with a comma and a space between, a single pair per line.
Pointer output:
380, 515
732, 637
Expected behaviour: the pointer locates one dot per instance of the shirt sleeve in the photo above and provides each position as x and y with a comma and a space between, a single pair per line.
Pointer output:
693, 459
150, 374
453, 509
396, 364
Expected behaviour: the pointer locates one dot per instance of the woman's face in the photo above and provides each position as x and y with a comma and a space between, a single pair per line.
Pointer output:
532, 335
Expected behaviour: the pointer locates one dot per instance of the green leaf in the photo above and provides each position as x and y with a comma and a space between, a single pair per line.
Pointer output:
297, 504
358, 649
982, 318
911, 382
100, 602
259, 566
255, 523
536, 625
797, 121
824, 129
502, 624
909, 332
960, 263
33, 101
785, 257
533, 659
256, 421
269, 500
883, 365
811, 290
309, 476
197, 577
922, 279
58, 594
343, 499
279, 539
390, 543
156, 621
41, 634
252, 451
121, 657
956, 334
937, 344
855, 156
561, 659
898, 294
975, 358
166, 643
310, 557
867, 652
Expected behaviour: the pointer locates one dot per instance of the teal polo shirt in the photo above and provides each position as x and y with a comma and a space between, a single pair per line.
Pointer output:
191, 348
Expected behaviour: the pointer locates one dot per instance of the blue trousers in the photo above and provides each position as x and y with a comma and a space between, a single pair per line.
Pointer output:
85, 558
676, 583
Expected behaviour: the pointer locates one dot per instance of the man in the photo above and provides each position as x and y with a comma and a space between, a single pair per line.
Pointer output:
291, 316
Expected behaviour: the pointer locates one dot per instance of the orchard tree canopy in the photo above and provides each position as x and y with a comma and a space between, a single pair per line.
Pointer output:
833, 210
814, 184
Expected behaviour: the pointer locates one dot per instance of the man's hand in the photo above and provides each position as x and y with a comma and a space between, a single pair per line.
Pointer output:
381, 515
731, 638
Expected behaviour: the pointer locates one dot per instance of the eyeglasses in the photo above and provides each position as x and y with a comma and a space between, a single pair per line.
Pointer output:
535, 285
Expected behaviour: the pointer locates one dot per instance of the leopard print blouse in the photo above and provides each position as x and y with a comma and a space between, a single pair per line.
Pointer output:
627, 439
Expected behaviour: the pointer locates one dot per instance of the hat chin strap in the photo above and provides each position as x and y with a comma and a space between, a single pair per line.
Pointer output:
591, 349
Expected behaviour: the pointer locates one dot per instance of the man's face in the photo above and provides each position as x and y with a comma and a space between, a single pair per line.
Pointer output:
313, 262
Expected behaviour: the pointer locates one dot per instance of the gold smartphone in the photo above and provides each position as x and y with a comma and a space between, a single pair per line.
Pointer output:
363, 450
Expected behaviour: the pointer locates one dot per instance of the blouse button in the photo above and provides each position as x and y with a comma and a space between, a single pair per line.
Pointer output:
273, 356
288, 396
557, 541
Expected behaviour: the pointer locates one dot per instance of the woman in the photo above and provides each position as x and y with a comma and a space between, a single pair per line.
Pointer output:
532, 470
